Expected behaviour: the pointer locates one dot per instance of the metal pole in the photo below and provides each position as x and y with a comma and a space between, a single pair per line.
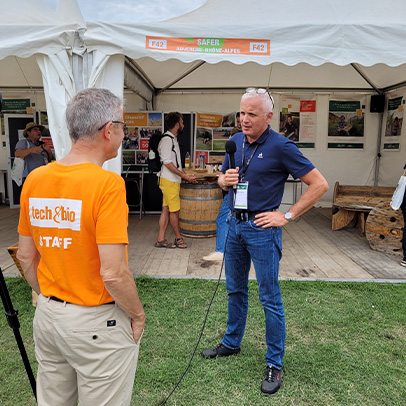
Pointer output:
12, 318
378, 151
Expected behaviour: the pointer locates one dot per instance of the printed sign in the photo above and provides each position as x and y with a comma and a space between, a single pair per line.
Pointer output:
346, 123
15, 104
55, 213
136, 119
48, 141
209, 120
297, 120
144, 144
230, 46
394, 122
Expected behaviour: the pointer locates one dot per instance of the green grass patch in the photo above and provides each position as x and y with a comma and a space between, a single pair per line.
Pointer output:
345, 345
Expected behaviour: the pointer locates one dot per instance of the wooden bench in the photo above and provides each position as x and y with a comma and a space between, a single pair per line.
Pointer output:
353, 203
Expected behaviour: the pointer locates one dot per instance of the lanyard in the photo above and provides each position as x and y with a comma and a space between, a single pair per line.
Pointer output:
249, 160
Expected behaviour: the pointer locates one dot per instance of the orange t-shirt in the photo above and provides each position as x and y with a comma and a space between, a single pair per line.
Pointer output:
68, 211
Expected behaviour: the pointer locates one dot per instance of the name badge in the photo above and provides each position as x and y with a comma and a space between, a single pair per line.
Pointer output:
241, 196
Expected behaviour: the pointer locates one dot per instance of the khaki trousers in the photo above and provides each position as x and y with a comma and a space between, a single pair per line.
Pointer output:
83, 353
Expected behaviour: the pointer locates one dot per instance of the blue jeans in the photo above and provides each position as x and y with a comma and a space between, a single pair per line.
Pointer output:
222, 225
247, 241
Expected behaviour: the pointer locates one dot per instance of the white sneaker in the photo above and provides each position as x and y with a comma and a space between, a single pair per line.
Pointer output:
403, 262
214, 256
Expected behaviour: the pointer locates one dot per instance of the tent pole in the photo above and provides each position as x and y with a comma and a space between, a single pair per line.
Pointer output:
365, 77
188, 72
378, 148
378, 152
393, 87
139, 74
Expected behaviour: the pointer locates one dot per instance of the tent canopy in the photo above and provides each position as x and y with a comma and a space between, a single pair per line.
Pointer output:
32, 27
314, 46
33, 31
317, 44
314, 32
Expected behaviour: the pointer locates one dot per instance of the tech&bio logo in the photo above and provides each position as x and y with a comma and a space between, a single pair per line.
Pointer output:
55, 213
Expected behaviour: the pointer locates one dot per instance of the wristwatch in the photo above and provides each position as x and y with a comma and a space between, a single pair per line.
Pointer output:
288, 216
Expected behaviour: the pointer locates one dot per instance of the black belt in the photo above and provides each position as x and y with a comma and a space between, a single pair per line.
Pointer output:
56, 299
247, 215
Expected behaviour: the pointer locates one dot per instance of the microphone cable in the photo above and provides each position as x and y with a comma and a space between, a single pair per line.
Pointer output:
204, 322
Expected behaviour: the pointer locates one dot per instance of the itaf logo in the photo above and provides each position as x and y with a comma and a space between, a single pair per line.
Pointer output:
55, 213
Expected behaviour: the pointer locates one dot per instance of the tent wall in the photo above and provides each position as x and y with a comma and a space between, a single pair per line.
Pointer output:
346, 166
62, 81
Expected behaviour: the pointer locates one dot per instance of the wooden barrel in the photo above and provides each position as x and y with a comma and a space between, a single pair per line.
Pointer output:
384, 229
199, 207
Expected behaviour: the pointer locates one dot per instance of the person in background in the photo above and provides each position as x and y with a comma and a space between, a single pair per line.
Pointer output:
73, 249
395, 130
170, 177
221, 226
35, 152
291, 131
403, 208
237, 128
221, 232
342, 127
264, 159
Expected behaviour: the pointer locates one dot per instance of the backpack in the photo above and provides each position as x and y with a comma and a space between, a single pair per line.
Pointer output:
154, 160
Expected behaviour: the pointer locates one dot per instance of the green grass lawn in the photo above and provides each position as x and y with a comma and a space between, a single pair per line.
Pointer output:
345, 345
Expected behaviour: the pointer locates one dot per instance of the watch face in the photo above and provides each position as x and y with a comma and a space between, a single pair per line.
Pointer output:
288, 216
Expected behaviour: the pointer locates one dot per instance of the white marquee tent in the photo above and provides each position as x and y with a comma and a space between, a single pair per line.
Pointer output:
321, 47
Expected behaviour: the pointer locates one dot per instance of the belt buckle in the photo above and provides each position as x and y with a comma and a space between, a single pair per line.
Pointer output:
239, 215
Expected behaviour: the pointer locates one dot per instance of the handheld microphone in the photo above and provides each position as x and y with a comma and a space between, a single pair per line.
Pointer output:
230, 150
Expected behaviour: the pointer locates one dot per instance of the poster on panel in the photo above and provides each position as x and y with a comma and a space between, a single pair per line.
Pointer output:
141, 126
212, 133
13, 106
394, 122
346, 123
297, 121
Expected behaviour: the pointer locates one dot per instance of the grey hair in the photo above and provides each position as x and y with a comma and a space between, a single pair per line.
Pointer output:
89, 110
266, 99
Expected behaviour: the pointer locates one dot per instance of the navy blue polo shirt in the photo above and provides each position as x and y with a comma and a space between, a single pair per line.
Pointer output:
275, 158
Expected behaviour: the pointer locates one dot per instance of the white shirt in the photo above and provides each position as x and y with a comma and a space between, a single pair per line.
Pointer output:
168, 156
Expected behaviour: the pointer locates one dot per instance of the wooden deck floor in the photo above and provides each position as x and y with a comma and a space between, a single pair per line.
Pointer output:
310, 251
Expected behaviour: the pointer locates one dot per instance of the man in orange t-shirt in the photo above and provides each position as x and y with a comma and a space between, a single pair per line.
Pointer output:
72, 247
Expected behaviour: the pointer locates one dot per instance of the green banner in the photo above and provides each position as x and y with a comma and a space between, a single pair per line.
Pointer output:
391, 146
393, 104
15, 104
344, 145
336, 105
305, 144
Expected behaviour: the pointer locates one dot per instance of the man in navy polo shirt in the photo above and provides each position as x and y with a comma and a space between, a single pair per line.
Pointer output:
264, 159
